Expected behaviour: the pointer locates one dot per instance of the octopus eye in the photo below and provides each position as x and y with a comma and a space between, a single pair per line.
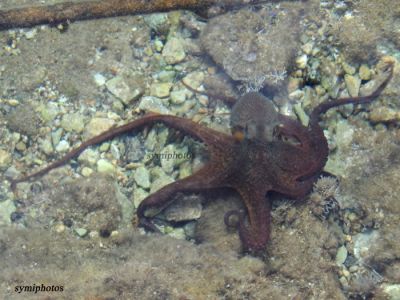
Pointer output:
238, 133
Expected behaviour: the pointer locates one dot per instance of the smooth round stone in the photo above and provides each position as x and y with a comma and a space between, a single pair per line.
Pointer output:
142, 177
178, 97
160, 90
63, 146
5, 159
104, 166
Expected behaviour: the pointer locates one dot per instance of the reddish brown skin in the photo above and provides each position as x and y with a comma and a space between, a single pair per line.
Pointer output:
253, 166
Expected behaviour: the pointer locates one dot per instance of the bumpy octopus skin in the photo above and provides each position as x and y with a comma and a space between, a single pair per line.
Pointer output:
257, 161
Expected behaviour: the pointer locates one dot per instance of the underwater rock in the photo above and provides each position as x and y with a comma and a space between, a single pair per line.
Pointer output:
166, 75
5, 160
62, 146
160, 90
6, 209
184, 208
178, 97
364, 72
161, 180
173, 51
73, 122
384, 115
134, 149
142, 177
96, 126
138, 195
194, 79
367, 25
353, 84
89, 157
341, 255
254, 46
24, 120
301, 61
81, 231
159, 22
172, 156
49, 111
46, 146
105, 166
126, 88
153, 104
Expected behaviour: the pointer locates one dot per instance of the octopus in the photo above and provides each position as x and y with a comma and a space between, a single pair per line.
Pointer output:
267, 152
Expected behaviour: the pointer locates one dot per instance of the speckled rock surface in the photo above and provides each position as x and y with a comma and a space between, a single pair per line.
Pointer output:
254, 46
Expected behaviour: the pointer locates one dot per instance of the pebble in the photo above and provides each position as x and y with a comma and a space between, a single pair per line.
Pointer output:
104, 147
158, 45
384, 115
353, 269
177, 233
73, 122
185, 208
120, 88
153, 104
89, 157
86, 172
160, 90
134, 149
6, 209
194, 79
12, 172
353, 84
81, 231
48, 112
142, 177
166, 75
46, 146
301, 61
348, 69
5, 159
59, 228
56, 136
392, 290
157, 21
20, 146
99, 79
160, 182
185, 169
203, 100
343, 281
346, 273
172, 157
341, 255
364, 72
301, 114
139, 195
96, 126
31, 34
307, 48
174, 51
104, 166
63, 146
178, 97
12, 102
